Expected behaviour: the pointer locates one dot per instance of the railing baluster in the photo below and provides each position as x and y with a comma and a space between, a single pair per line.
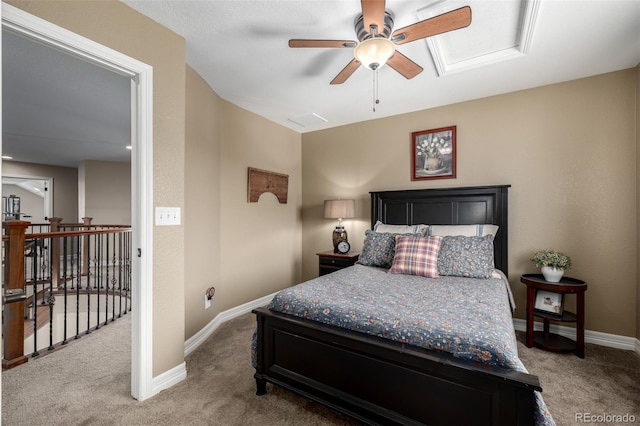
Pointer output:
34, 300
86, 221
55, 251
51, 298
44, 266
106, 267
78, 285
120, 252
64, 288
90, 272
98, 277
113, 277
128, 271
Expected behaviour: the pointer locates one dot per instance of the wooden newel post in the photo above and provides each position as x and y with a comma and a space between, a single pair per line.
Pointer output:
55, 251
13, 313
86, 221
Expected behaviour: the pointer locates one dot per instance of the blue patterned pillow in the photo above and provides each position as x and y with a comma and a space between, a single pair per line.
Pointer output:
466, 256
378, 249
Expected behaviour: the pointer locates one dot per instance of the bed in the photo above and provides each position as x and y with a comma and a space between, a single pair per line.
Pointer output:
379, 378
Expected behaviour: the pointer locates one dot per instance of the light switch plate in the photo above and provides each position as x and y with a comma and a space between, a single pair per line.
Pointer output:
167, 216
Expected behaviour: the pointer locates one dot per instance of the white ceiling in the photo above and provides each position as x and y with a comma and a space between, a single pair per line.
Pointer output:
240, 48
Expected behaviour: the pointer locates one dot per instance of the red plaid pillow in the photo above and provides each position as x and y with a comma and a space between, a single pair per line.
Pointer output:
416, 256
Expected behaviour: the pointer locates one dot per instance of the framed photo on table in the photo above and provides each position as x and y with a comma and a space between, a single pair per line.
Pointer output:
551, 303
433, 154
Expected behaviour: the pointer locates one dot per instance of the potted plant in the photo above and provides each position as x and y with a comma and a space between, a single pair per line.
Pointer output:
552, 264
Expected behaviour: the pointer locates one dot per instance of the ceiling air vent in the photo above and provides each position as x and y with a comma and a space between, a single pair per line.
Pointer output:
308, 120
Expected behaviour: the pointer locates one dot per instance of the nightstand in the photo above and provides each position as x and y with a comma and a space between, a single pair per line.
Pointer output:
329, 262
545, 339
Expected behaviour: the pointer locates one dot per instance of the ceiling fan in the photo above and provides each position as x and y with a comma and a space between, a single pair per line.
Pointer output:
376, 44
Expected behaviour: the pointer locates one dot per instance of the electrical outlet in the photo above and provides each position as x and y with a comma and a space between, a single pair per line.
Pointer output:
207, 302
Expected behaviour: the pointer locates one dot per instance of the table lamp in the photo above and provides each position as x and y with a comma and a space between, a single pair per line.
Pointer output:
339, 209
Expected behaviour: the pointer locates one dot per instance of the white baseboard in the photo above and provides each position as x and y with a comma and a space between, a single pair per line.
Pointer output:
595, 337
168, 378
197, 339
179, 373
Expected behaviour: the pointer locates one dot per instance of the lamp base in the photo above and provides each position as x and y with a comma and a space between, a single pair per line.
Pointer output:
339, 234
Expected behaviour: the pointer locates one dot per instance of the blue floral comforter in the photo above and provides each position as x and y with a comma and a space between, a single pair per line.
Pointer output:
467, 317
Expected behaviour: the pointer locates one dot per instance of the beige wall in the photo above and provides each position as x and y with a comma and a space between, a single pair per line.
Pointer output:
202, 202
260, 242
105, 192
568, 150
245, 250
119, 27
65, 185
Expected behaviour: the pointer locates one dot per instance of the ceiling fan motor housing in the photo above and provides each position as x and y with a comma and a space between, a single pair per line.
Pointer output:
365, 33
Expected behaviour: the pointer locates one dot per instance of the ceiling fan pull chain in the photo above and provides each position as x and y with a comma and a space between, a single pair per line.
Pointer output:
373, 101
375, 90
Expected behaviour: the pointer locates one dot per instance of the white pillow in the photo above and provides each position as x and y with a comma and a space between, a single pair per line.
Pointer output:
401, 229
480, 230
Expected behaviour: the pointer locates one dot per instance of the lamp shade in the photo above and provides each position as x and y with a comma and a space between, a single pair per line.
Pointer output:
373, 53
339, 209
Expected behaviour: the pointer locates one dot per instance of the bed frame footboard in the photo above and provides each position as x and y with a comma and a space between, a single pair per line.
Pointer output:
383, 382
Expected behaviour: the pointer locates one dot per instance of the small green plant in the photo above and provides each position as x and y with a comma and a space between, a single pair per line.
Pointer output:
555, 259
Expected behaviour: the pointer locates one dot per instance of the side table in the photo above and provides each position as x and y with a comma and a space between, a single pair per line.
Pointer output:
545, 339
328, 261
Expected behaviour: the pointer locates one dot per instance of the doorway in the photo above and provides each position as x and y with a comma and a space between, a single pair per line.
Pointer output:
140, 76
35, 199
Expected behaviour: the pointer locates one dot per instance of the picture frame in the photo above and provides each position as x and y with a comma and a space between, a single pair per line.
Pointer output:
433, 154
549, 302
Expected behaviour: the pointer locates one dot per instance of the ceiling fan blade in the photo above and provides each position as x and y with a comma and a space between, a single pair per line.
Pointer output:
449, 21
373, 14
346, 72
404, 65
321, 43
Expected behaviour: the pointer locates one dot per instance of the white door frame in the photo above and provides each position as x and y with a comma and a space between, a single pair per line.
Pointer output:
141, 76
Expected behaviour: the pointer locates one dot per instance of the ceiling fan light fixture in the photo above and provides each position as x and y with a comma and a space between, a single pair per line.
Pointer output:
374, 52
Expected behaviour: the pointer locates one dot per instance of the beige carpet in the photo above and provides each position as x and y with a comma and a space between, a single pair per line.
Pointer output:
88, 384
606, 381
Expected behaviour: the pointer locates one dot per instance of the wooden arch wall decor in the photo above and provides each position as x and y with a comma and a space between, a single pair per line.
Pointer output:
261, 181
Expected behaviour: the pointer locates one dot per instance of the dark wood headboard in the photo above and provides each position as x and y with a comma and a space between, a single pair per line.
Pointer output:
448, 206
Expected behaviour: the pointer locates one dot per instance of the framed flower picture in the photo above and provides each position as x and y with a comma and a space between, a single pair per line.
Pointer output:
433, 154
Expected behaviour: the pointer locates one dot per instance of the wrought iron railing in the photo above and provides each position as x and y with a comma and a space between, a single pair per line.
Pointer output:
61, 283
